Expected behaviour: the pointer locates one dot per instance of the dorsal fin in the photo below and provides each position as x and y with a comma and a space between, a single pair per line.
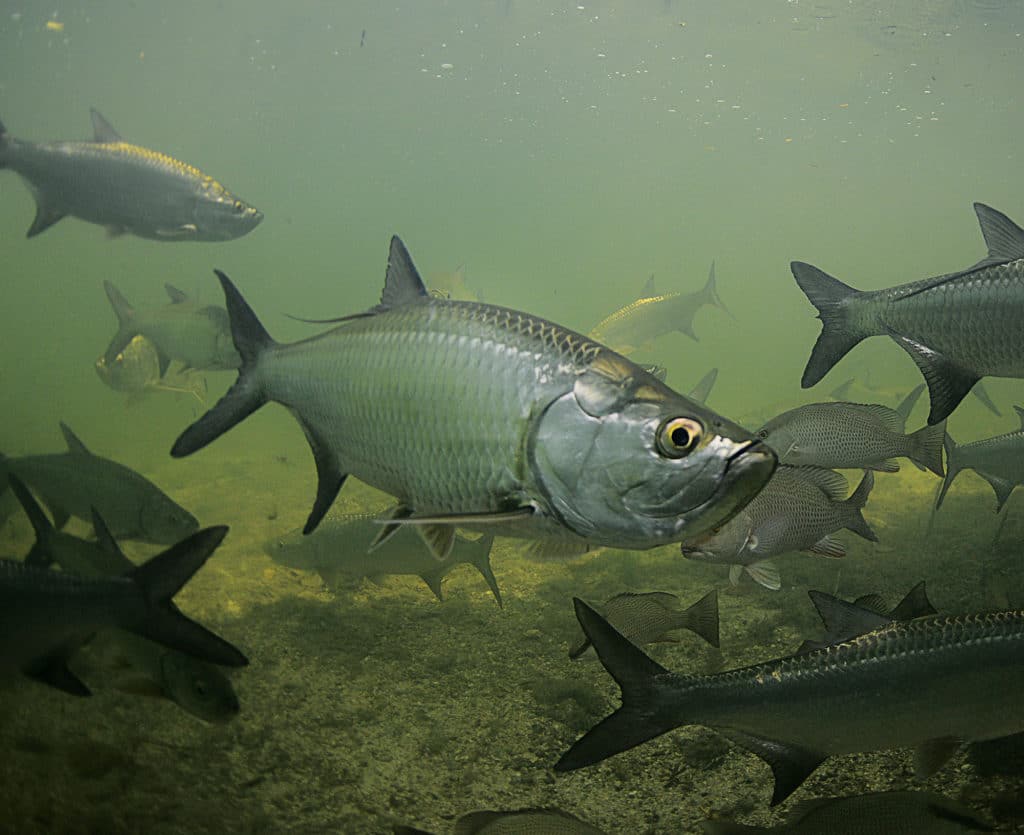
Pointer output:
915, 604
402, 284
105, 539
175, 295
102, 130
843, 620
1003, 237
75, 445
649, 291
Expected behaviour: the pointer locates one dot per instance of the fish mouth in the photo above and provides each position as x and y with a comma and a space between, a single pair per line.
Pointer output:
748, 469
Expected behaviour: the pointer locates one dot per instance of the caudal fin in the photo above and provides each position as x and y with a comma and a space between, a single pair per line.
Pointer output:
829, 295
245, 396
854, 520
41, 553
702, 618
710, 293
4, 142
924, 447
159, 580
643, 715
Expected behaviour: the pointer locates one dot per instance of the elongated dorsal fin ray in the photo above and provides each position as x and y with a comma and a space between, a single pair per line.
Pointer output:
102, 130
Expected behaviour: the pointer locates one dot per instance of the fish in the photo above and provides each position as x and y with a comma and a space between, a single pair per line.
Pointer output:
517, 822
341, 547
196, 335
475, 415
904, 812
998, 460
135, 371
799, 510
845, 623
196, 686
46, 615
124, 187
957, 327
929, 683
701, 391
655, 314
853, 436
650, 616
72, 483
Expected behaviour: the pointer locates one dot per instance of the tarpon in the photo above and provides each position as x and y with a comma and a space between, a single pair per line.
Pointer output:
654, 314
135, 371
196, 335
341, 547
124, 187
476, 415
998, 460
45, 615
929, 683
957, 327
72, 483
152, 669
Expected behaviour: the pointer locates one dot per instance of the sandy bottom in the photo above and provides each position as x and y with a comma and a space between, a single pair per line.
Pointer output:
376, 704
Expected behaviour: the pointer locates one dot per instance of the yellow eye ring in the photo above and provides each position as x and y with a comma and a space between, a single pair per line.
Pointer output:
678, 437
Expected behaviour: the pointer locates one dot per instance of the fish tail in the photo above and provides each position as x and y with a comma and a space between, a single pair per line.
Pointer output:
702, 618
40, 554
829, 295
4, 143
159, 580
646, 711
925, 447
246, 395
908, 403
710, 292
855, 520
482, 562
953, 467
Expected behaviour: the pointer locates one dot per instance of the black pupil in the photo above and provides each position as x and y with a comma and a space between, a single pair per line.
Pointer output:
680, 436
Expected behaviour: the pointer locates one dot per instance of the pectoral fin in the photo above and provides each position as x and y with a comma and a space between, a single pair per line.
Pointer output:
930, 756
45, 217
53, 669
790, 764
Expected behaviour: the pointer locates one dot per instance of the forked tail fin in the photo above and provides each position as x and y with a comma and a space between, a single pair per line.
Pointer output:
829, 295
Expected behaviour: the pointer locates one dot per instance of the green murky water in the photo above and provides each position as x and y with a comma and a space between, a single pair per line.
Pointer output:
562, 153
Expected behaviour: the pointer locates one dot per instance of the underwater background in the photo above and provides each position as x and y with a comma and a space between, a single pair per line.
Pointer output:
560, 153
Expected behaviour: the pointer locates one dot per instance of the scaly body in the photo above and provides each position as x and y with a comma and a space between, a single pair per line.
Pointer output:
472, 413
125, 187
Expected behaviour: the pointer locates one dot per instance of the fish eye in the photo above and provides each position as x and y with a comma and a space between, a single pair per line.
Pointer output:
239, 207
762, 434
678, 436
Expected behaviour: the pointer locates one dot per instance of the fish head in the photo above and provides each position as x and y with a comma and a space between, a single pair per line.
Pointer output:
197, 687
786, 444
165, 522
625, 461
219, 215
726, 544
131, 369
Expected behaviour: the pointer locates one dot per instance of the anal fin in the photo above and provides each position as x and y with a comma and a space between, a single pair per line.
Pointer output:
948, 383
44, 219
790, 764
931, 755
53, 669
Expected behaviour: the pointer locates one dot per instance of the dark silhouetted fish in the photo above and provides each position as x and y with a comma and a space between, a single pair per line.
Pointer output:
929, 683
957, 327
885, 813
655, 314
147, 667
125, 188
477, 415
998, 460
72, 483
46, 615
648, 617
196, 335
341, 546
